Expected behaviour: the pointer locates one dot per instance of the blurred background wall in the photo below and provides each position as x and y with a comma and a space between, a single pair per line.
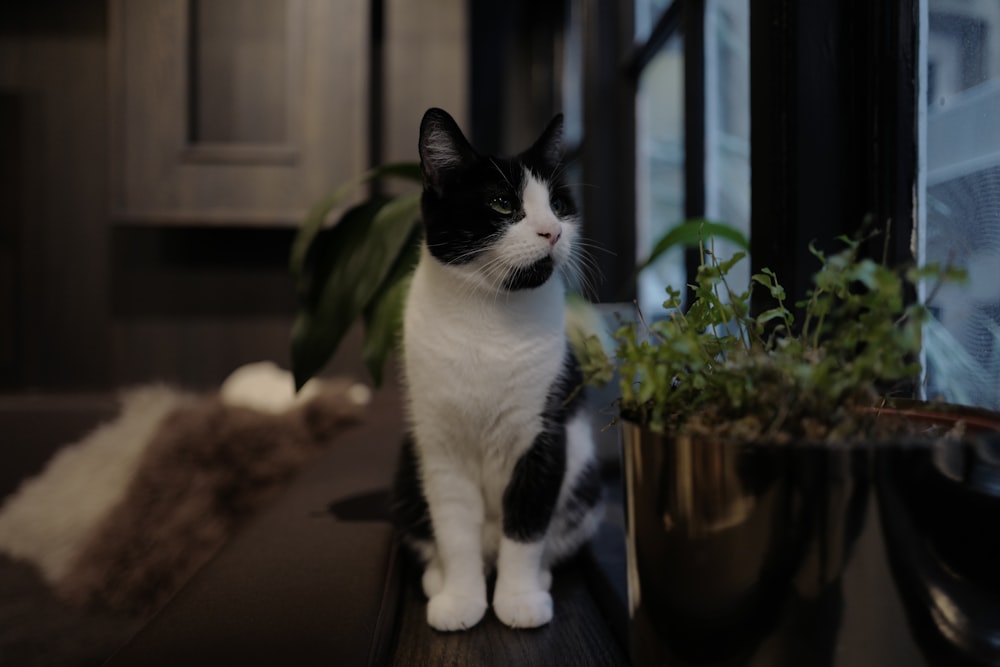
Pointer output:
143, 236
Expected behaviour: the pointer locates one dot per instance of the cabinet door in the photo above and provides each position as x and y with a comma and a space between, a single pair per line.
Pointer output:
235, 111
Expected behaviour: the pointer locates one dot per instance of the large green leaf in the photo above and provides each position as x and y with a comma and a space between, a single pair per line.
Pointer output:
692, 232
384, 314
363, 253
318, 213
329, 248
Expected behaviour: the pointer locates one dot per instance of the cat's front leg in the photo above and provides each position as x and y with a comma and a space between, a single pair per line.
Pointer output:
522, 598
458, 591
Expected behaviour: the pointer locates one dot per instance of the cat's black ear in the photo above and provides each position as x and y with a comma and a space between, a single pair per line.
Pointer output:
443, 147
549, 148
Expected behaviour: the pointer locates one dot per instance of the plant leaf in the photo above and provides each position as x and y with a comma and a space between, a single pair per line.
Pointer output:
690, 233
363, 254
318, 213
328, 249
772, 314
383, 316
727, 266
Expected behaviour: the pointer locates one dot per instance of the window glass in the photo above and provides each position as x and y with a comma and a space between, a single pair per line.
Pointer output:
727, 124
959, 214
660, 171
647, 13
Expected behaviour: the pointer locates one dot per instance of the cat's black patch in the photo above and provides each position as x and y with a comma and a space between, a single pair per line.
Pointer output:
410, 513
530, 497
531, 276
567, 393
458, 222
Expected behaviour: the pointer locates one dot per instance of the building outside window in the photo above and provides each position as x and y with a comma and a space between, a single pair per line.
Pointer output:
959, 199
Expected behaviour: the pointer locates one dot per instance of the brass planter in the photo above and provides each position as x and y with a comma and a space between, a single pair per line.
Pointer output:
807, 554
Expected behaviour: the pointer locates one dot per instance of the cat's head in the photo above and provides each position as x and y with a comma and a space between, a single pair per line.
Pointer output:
504, 223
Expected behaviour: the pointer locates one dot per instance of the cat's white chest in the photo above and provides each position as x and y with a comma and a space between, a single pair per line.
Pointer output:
479, 367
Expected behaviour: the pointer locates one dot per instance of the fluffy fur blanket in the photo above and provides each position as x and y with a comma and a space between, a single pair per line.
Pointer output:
121, 519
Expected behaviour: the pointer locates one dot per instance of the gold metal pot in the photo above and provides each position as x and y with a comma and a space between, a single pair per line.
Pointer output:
722, 537
758, 554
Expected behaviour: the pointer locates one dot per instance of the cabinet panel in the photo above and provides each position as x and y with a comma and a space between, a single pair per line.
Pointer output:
239, 56
234, 112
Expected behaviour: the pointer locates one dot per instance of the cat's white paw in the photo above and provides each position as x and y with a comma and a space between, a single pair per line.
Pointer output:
433, 580
448, 612
545, 580
523, 609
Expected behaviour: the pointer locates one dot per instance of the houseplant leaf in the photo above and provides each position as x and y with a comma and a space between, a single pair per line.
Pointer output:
383, 316
692, 232
363, 252
318, 213
330, 246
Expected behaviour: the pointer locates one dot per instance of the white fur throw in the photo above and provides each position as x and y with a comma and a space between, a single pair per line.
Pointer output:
124, 517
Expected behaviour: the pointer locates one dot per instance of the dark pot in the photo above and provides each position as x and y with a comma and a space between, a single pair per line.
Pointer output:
815, 554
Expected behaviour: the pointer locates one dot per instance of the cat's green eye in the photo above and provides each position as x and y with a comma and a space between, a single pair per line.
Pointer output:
557, 205
501, 205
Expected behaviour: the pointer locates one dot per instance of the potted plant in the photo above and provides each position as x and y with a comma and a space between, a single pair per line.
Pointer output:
750, 444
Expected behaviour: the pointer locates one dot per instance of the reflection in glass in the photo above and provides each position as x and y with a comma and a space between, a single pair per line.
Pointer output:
239, 68
939, 512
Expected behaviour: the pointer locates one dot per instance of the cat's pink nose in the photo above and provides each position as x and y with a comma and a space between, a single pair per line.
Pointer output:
552, 232
552, 237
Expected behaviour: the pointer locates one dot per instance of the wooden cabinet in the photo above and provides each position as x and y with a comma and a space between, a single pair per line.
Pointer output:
235, 112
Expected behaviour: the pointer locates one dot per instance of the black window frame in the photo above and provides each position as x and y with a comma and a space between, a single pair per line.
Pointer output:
833, 129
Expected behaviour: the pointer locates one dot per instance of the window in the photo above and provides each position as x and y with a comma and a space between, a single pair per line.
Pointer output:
727, 123
888, 112
959, 212
692, 115
660, 170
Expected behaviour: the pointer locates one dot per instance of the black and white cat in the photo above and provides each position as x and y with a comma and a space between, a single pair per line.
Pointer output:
500, 471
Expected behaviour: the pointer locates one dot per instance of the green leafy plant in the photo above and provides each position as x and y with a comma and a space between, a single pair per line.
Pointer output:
358, 268
758, 375
715, 362
590, 347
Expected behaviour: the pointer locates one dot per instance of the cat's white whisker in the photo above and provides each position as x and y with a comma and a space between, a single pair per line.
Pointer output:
580, 184
502, 175
593, 245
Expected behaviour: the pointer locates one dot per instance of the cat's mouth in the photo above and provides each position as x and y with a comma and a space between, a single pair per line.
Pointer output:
531, 276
